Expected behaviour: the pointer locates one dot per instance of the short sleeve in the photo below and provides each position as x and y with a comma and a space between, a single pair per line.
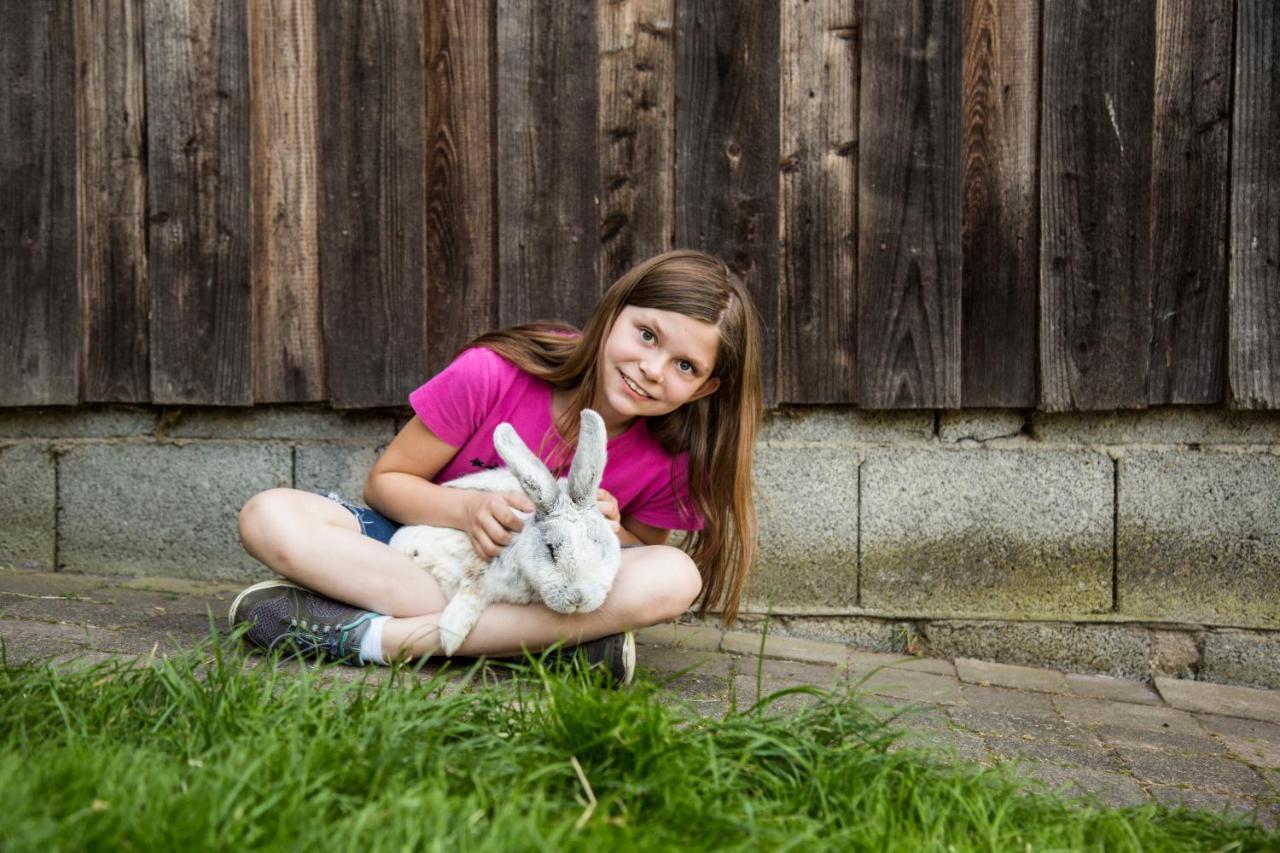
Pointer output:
454, 403
657, 505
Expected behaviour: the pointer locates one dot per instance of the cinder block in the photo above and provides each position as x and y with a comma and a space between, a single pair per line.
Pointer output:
1175, 653
986, 533
843, 425
808, 509
1247, 658
1160, 425
1119, 650
77, 422
28, 501
862, 632
340, 469
980, 424
1198, 537
146, 509
267, 422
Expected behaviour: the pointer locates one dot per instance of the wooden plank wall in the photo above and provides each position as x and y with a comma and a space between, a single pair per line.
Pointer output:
935, 204
197, 90
288, 334
1001, 211
909, 206
1254, 285
1095, 212
40, 322
115, 297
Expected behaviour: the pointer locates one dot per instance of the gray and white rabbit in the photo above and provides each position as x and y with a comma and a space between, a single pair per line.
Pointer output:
566, 556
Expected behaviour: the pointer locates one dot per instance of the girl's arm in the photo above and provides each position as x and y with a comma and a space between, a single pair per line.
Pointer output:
638, 533
400, 487
630, 531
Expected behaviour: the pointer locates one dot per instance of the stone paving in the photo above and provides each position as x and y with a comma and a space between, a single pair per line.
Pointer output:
1177, 742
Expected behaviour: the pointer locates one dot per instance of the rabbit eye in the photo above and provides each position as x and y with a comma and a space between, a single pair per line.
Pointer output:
552, 550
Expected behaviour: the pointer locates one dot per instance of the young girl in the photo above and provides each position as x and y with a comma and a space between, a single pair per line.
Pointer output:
670, 359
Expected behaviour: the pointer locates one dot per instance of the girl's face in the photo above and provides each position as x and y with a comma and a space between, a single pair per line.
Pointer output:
668, 355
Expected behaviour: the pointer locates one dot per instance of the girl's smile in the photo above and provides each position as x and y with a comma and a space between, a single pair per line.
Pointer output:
631, 386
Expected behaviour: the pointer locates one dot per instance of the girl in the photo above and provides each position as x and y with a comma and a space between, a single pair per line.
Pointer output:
670, 359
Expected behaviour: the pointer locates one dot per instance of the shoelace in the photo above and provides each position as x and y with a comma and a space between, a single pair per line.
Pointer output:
309, 639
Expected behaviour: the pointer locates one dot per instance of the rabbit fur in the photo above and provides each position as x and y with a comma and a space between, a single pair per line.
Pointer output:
566, 556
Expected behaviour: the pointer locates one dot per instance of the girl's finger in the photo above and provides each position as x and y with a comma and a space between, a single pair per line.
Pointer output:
510, 520
494, 531
520, 501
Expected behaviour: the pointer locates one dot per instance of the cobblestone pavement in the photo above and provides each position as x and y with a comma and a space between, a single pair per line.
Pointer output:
1203, 745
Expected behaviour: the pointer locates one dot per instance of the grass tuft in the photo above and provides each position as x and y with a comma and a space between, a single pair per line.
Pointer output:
204, 749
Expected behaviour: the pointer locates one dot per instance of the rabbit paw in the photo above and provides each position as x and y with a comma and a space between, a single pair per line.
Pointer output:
457, 620
452, 634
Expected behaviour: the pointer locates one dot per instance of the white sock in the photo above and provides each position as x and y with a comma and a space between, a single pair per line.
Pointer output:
371, 643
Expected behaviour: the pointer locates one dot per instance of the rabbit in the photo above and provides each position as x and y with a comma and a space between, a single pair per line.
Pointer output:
567, 556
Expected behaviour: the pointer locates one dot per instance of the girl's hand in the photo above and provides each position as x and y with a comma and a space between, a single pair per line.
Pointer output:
608, 506
490, 522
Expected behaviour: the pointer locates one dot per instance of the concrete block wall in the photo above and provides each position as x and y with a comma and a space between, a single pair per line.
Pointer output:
1129, 543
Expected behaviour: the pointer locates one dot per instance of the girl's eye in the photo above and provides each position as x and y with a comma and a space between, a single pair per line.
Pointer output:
644, 331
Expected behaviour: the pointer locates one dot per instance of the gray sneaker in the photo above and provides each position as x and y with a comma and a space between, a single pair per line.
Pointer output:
615, 654
299, 622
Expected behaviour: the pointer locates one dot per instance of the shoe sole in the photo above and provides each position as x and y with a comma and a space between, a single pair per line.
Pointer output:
231, 613
628, 657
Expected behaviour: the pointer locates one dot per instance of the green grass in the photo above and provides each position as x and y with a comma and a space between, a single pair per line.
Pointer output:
197, 751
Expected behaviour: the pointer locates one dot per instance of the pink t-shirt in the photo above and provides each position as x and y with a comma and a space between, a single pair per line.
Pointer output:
480, 389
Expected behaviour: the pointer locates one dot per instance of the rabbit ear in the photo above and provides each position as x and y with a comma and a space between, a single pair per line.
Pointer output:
588, 463
534, 478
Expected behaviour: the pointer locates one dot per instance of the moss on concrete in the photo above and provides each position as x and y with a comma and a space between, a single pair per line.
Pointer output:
976, 574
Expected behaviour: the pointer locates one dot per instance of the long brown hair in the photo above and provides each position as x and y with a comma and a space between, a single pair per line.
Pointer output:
718, 430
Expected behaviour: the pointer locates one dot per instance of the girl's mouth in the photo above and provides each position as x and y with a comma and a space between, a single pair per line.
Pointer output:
633, 389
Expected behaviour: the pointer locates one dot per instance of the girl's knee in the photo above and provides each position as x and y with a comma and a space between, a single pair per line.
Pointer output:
283, 508
252, 520
677, 584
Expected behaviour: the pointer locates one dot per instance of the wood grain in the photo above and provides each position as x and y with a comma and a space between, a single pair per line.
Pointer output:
1254, 351
461, 228
547, 162
1000, 217
371, 106
1095, 299
1189, 200
727, 148
288, 337
197, 89
40, 322
636, 135
817, 202
111, 113
909, 186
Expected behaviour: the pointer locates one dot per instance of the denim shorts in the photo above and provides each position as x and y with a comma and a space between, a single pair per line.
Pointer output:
374, 524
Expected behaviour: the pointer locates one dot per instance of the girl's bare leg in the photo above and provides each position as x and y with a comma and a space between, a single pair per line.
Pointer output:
317, 543
654, 584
